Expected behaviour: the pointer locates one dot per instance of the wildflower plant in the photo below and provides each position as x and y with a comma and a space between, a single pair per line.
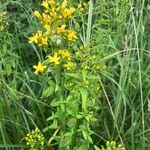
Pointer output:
72, 67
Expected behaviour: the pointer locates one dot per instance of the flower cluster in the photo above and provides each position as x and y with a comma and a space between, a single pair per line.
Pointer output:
64, 56
35, 140
113, 146
3, 23
39, 39
54, 21
82, 7
39, 68
60, 57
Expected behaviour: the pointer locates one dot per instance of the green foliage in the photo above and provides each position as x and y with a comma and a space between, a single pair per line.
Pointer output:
68, 92
98, 91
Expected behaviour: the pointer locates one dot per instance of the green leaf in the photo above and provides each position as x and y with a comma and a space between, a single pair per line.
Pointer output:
45, 129
55, 103
84, 146
75, 75
89, 27
89, 139
71, 122
49, 91
66, 140
54, 124
84, 95
52, 117
79, 116
96, 148
84, 134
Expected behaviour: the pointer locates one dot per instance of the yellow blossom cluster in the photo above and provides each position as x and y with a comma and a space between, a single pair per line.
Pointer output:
35, 139
39, 39
82, 7
58, 10
54, 20
62, 56
112, 145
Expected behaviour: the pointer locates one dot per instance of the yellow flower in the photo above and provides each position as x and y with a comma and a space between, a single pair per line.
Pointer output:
52, 2
39, 68
46, 20
55, 59
71, 35
60, 17
38, 15
68, 12
48, 30
34, 38
45, 5
39, 39
69, 65
35, 138
64, 54
58, 9
60, 29
53, 15
64, 4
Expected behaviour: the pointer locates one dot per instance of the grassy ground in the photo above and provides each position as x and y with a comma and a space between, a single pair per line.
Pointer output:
118, 34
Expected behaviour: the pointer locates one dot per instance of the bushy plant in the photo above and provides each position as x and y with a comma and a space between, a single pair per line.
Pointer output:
72, 68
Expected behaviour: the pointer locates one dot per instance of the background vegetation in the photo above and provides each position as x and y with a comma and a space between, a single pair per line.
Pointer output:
120, 41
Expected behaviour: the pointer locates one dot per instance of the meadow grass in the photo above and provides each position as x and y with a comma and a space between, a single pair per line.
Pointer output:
118, 33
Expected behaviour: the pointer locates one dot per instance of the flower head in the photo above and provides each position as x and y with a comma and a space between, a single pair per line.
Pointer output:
48, 30
39, 68
68, 12
44, 18
69, 65
64, 54
39, 39
64, 4
60, 29
52, 2
55, 59
53, 15
38, 15
35, 138
71, 35
45, 4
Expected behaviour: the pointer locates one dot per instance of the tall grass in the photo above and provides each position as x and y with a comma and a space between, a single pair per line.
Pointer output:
21, 110
124, 104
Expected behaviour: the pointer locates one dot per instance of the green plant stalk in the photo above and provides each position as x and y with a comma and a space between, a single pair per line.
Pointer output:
74, 137
89, 26
140, 76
